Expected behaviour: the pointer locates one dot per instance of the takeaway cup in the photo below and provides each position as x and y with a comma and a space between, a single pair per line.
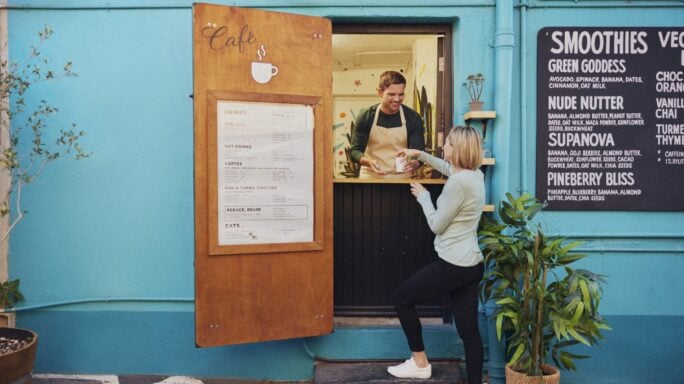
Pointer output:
400, 163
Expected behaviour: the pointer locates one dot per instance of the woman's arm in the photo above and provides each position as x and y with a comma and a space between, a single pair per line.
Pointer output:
450, 202
418, 157
442, 166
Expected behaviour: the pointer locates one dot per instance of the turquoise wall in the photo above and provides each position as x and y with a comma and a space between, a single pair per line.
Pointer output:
105, 254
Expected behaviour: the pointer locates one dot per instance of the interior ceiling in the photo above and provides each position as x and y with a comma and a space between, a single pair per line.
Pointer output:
357, 50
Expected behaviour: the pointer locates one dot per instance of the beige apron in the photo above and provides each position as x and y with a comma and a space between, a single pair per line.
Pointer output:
382, 144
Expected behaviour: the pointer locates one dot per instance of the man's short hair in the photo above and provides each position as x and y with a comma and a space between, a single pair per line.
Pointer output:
390, 78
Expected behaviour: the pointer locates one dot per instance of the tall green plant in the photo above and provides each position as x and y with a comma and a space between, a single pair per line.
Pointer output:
29, 141
539, 311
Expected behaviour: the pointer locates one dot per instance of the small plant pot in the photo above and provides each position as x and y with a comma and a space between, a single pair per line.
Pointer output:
551, 376
475, 105
18, 364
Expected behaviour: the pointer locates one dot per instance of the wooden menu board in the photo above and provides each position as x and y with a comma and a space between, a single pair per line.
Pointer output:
261, 173
249, 291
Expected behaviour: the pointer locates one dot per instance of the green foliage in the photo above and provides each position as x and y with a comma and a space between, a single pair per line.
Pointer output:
539, 312
474, 85
424, 109
351, 167
29, 139
9, 293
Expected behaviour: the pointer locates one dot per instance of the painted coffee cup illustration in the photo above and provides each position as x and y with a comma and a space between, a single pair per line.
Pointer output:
263, 72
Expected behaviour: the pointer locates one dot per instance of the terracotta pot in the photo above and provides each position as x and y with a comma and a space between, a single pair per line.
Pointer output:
475, 105
551, 376
18, 364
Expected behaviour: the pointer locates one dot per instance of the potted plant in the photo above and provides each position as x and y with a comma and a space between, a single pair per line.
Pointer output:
544, 305
27, 145
474, 84
17, 346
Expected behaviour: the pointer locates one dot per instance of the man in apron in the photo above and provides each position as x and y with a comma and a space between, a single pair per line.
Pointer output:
382, 130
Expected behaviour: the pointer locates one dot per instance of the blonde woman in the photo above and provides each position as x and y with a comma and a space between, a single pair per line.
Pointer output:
459, 268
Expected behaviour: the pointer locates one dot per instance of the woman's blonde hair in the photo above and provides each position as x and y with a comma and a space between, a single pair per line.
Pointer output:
467, 147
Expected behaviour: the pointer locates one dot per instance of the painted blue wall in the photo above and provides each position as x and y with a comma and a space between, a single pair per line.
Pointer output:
119, 225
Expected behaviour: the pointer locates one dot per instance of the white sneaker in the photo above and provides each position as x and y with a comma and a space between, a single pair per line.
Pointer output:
409, 370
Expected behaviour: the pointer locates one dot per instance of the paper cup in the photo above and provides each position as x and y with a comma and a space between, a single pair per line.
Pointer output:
400, 163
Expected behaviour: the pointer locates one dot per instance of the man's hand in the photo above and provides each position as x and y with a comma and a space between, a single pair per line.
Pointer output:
413, 165
376, 167
373, 164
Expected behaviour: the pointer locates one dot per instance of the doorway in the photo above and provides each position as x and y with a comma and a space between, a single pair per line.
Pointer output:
380, 235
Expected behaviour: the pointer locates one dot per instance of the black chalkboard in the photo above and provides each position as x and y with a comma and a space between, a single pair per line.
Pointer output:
610, 118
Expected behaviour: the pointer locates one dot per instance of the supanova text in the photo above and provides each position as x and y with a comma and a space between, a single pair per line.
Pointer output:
582, 139
618, 42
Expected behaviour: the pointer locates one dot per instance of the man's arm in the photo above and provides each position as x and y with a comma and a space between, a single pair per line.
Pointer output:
416, 136
416, 132
360, 136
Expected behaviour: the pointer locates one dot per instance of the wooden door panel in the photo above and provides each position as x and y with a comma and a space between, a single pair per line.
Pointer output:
246, 293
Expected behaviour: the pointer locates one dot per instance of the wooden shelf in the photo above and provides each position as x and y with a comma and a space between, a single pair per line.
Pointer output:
483, 116
479, 115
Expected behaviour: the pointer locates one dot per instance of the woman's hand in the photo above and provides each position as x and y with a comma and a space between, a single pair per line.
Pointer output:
417, 189
411, 164
410, 154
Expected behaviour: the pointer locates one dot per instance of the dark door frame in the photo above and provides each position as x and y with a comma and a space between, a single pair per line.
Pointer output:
346, 196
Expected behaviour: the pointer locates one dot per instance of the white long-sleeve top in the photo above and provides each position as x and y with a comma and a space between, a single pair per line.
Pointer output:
456, 218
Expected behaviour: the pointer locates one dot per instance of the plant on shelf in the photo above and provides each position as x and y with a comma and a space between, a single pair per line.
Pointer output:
540, 313
474, 85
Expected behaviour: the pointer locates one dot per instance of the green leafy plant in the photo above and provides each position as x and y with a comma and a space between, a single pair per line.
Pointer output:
424, 107
28, 139
9, 293
540, 312
474, 84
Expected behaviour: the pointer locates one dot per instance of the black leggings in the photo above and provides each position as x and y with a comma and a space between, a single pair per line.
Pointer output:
461, 284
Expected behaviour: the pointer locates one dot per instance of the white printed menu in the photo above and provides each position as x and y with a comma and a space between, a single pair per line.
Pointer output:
265, 172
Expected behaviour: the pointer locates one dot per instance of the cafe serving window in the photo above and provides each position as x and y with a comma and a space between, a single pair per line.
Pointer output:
380, 235
361, 53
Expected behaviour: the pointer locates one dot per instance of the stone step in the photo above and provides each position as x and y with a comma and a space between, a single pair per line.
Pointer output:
443, 372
